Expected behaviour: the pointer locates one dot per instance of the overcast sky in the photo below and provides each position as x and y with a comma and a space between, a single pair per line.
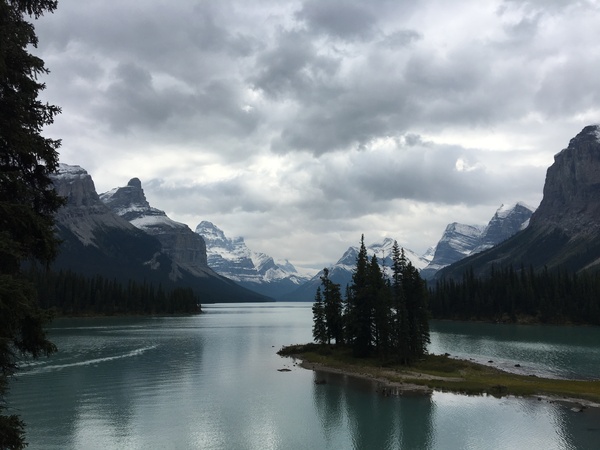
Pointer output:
302, 124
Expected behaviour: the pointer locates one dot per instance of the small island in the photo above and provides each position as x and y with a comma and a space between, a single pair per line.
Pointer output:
443, 373
380, 332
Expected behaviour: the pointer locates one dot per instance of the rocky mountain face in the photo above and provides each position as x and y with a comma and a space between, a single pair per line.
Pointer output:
231, 258
460, 241
341, 271
84, 215
571, 200
96, 241
563, 231
186, 248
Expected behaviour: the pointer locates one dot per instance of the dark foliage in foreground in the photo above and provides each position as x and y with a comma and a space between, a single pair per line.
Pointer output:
27, 199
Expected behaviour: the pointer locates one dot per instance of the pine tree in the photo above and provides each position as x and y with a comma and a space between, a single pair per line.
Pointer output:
27, 199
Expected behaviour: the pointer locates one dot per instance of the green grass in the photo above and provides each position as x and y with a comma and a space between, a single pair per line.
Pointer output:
443, 373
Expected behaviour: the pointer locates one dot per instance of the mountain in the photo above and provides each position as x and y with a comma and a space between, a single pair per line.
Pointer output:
460, 241
341, 271
185, 247
256, 271
457, 242
96, 241
507, 221
564, 230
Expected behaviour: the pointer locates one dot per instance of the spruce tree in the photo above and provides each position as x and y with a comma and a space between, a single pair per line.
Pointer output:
360, 308
415, 292
27, 198
319, 329
381, 309
332, 301
400, 329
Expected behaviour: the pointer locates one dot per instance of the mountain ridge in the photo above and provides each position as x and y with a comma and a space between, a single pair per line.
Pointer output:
95, 241
460, 241
564, 230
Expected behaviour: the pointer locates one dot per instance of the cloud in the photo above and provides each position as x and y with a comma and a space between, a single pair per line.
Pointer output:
341, 19
303, 120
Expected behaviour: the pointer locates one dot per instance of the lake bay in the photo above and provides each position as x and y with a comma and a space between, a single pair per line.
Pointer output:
213, 382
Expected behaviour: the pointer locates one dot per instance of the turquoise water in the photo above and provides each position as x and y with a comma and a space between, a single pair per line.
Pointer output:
212, 382
543, 350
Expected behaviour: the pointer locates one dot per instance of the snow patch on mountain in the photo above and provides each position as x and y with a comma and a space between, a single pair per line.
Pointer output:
147, 222
231, 258
597, 132
66, 171
460, 240
130, 203
84, 214
429, 253
185, 247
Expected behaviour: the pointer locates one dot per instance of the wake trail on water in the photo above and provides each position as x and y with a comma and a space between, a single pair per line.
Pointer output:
89, 362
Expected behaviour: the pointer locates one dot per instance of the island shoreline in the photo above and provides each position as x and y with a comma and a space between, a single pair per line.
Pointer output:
389, 382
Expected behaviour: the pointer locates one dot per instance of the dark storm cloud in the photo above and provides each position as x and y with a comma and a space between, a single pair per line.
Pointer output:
219, 197
401, 38
292, 67
423, 172
134, 100
338, 18
558, 94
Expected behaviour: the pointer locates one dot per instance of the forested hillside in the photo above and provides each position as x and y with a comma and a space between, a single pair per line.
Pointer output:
69, 293
510, 294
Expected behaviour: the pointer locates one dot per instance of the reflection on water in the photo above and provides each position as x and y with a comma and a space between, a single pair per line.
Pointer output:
212, 382
542, 350
352, 406
376, 421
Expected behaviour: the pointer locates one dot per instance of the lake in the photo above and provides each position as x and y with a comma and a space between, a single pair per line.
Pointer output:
212, 382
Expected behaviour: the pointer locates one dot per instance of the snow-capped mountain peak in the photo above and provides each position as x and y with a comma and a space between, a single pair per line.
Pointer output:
341, 271
178, 241
130, 203
231, 258
460, 240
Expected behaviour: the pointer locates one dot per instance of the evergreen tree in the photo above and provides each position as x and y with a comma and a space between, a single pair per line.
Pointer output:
400, 330
556, 296
389, 319
332, 303
360, 306
381, 309
27, 199
415, 292
319, 329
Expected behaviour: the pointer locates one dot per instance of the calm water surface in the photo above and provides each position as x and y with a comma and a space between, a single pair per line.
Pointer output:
212, 382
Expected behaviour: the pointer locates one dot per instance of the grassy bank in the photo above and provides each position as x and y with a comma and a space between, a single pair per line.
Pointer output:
441, 372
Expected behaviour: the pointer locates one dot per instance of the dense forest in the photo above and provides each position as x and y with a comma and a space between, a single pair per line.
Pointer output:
512, 295
69, 293
380, 317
